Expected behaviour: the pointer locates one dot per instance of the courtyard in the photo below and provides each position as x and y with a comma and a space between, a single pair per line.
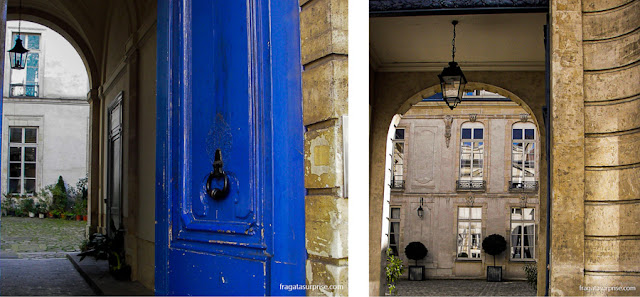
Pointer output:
22, 237
464, 288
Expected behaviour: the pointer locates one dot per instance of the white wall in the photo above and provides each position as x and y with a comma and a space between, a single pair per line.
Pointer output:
62, 137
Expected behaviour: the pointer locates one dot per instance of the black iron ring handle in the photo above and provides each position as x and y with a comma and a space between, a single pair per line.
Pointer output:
216, 193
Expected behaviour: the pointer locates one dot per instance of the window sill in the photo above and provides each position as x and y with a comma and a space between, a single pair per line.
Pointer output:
523, 260
468, 260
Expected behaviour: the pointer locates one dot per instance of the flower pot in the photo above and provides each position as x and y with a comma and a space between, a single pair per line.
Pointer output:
416, 273
50, 215
84, 218
41, 215
63, 216
78, 218
32, 215
494, 273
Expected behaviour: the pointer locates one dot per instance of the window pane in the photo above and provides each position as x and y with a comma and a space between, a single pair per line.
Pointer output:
29, 185
476, 213
33, 41
529, 213
32, 61
516, 214
399, 134
463, 213
30, 135
15, 154
528, 134
29, 170
15, 170
527, 252
395, 213
517, 133
466, 133
15, 135
29, 154
477, 133
476, 228
14, 186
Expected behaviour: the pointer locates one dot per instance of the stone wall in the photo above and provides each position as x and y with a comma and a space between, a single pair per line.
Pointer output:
323, 26
596, 166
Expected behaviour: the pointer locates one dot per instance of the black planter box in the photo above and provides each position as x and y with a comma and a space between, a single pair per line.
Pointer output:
494, 273
416, 273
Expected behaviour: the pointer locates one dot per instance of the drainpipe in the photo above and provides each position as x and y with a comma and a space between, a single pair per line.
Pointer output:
547, 126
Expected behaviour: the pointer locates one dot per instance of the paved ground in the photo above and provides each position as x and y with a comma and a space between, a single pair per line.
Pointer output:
39, 238
464, 288
43, 277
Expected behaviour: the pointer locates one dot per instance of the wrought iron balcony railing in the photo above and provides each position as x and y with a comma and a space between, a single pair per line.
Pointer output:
397, 184
471, 185
524, 186
22, 90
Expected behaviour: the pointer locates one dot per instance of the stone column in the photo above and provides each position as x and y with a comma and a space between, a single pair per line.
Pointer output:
567, 149
611, 46
323, 26
93, 199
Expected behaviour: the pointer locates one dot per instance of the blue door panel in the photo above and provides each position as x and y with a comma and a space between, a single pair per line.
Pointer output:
192, 275
229, 81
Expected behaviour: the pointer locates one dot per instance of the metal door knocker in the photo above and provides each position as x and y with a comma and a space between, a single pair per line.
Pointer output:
217, 173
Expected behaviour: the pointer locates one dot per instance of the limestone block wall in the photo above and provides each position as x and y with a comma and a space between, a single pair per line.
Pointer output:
611, 48
596, 131
323, 30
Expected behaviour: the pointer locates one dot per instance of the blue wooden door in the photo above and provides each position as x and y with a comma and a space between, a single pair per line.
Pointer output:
229, 95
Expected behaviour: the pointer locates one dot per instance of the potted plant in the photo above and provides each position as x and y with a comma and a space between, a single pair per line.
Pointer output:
393, 271
8, 205
28, 206
494, 245
416, 251
112, 249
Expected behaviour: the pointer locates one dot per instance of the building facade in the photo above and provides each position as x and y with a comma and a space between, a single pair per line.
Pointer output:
458, 176
45, 119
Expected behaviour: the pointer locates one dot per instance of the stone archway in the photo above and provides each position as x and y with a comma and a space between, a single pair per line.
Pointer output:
395, 93
74, 37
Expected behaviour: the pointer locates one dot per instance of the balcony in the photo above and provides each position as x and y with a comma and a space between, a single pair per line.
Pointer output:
22, 90
523, 187
471, 185
397, 184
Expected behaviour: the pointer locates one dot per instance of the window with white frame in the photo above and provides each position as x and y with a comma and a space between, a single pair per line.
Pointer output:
469, 237
394, 229
523, 233
471, 157
523, 153
23, 142
25, 82
397, 178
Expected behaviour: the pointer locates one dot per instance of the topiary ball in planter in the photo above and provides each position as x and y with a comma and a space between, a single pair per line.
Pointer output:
494, 245
416, 251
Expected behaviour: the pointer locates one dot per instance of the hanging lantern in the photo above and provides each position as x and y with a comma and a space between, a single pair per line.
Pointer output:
452, 80
18, 54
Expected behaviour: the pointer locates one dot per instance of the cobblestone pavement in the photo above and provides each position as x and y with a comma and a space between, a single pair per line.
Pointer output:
464, 288
39, 238
42, 277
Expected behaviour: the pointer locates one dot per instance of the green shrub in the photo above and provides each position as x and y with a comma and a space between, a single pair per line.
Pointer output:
531, 271
59, 194
27, 205
393, 270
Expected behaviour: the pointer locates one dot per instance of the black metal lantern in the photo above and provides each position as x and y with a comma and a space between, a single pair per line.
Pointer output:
452, 80
18, 54
420, 210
